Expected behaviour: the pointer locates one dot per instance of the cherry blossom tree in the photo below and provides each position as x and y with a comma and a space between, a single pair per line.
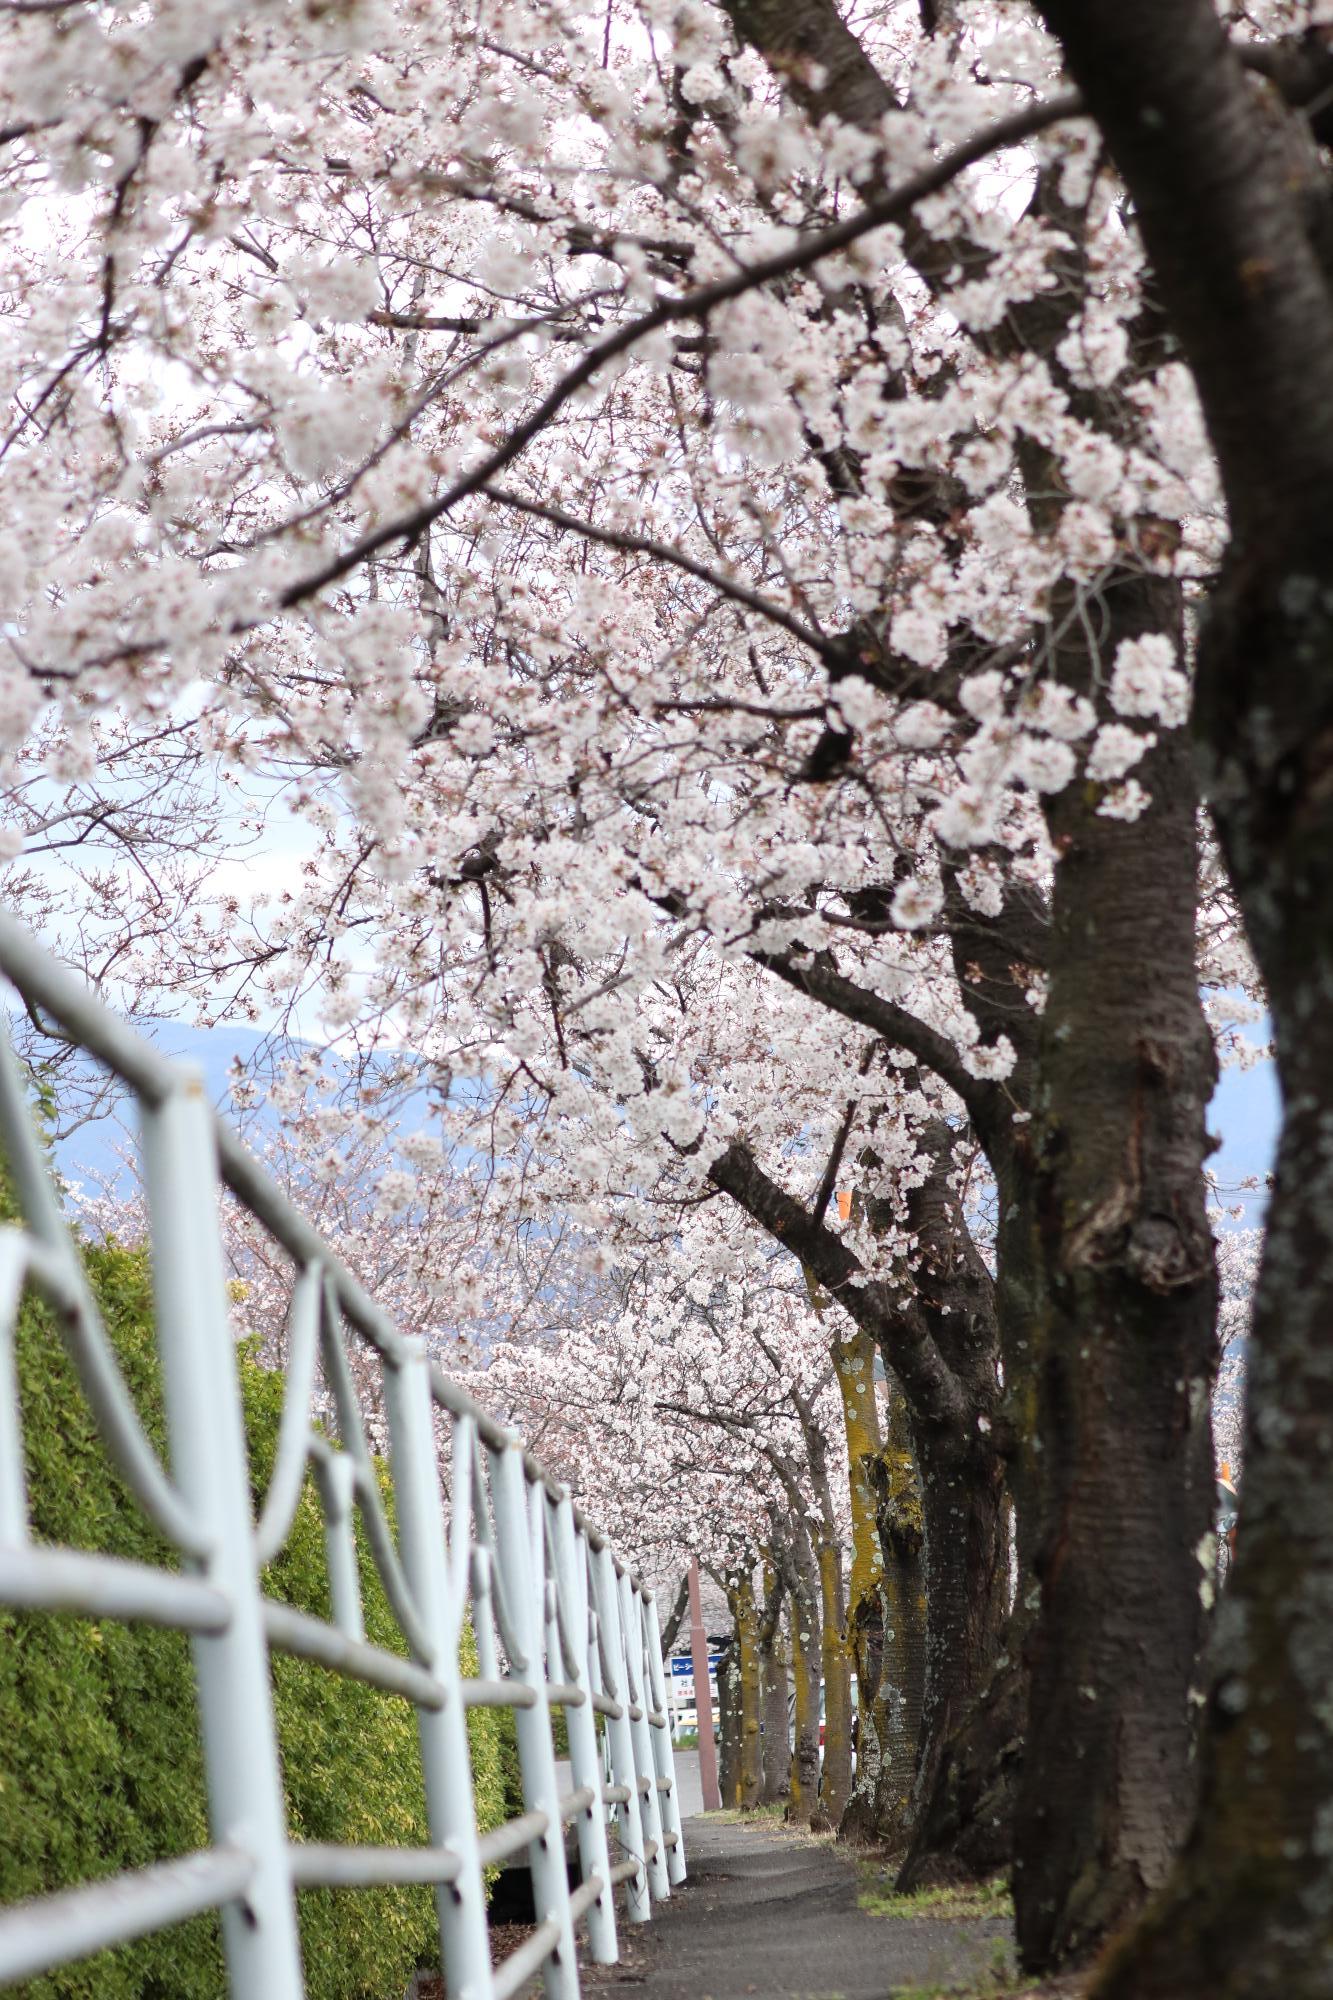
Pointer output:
1238, 1266
1229, 189
697, 512
702, 1414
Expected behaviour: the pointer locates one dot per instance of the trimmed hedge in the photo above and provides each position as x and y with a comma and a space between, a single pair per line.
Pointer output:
100, 1762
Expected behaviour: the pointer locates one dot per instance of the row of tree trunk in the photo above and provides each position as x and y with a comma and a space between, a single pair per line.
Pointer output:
1075, 1388
1057, 1398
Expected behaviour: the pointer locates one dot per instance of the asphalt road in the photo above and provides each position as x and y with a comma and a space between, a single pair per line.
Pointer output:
769, 1913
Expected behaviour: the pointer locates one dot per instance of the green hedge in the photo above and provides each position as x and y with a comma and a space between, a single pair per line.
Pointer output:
511, 1772
100, 1761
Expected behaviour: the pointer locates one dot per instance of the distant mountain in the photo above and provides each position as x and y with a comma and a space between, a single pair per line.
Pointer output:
94, 1152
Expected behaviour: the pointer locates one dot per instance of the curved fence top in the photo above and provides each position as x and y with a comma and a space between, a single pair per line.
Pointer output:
480, 1552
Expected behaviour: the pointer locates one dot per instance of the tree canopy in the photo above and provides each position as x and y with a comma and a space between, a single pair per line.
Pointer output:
738, 591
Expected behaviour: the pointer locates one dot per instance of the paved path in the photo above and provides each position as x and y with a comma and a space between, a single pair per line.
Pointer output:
768, 1913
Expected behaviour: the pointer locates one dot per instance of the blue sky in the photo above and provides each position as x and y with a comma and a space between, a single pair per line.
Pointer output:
1244, 1116
1243, 1113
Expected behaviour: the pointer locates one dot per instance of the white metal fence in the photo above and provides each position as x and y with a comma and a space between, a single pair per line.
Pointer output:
556, 1620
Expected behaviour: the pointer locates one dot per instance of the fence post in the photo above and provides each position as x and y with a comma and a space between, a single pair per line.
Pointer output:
619, 1734
446, 1758
642, 1731
664, 1756
208, 1454
536, 1751
571, 1568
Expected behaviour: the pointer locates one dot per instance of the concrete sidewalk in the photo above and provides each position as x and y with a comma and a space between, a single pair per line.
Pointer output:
766, 1912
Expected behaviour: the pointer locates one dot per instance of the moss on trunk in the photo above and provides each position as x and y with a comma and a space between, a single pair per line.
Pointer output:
837, 1773
745, 1618
773, 1684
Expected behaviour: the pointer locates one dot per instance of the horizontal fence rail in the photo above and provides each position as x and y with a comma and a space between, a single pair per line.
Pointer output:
489, 1556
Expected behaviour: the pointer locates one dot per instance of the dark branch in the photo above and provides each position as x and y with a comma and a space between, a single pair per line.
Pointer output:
833, 989
632, 544
879, 1309
676, 1616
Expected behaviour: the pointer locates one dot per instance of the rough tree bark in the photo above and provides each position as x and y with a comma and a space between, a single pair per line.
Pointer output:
1124, 1348
964, 1829
960, 1466
962, 1524
775, 1781
729, 1724
745, 1619
898, 1513
805, 1636
1247, 1911
854, 1368
836, 1776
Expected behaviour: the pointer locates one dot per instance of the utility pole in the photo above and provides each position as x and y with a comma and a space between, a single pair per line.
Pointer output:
703, 1696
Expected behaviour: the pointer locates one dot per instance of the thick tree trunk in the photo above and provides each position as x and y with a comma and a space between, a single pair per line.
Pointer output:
902, 1694
836, 1778
804, 1631
903, 1669
959, 1508
961, 1822
1248, 1914
801, 1575
775, 1780
729, 1724
1248, 1911
965, 1827
745, 1617
1107, 1783
1123, 1342
775, 1784
965, 1556
854, 1367
966, 1796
